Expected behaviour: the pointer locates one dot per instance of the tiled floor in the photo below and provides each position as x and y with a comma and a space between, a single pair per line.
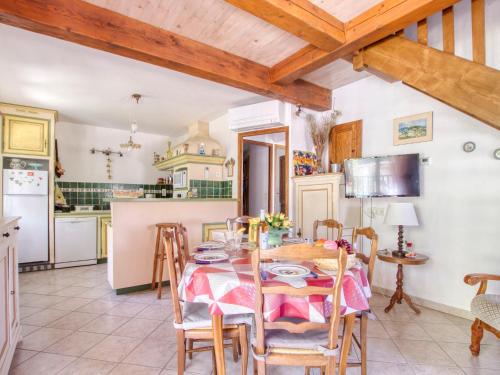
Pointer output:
73, 323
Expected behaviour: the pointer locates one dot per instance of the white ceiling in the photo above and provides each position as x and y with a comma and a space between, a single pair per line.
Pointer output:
92, 87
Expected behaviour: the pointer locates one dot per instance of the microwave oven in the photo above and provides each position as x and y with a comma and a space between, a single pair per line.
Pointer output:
180, 179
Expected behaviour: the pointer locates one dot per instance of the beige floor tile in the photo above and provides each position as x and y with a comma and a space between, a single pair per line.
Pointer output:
127, 309
158, 312
379, 300
25, 311
44, 317
436, 370
76, 344
21, 355
71, 304
165, 332
376, 329
479, 371
147, 297
27, 329
124, 369
71, 291
113, 348
42, 363
104, 324
136, 327
383, 350
430, 316
405, 330
85, 366
397, 314
445, 332
98, 306
96, 292
200, 364
152, 352
489, 357
383, 368
38, 300
74, 320
423, 352
42, 338
45, 288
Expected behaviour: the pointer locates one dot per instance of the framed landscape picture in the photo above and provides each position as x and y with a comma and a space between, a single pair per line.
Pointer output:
413, 129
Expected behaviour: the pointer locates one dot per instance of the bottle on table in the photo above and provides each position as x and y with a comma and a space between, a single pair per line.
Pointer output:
263, 231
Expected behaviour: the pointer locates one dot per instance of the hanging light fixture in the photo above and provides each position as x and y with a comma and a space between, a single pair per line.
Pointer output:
130, 145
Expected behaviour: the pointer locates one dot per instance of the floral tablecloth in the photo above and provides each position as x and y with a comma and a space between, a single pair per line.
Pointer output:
229, 288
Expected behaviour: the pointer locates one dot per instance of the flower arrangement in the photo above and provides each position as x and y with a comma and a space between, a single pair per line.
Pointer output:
277, 221
320, 131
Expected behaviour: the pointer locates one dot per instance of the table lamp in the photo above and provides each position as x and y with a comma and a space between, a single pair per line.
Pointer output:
400, 214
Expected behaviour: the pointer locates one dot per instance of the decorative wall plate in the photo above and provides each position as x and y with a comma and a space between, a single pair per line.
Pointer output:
469, 146
496, 154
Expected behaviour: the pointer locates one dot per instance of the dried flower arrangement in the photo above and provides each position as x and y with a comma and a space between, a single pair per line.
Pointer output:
320, 131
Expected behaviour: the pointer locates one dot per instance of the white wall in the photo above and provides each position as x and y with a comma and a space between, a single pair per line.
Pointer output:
459, 207
135, 167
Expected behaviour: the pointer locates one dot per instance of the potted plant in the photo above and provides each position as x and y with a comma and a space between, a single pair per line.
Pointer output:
278, 225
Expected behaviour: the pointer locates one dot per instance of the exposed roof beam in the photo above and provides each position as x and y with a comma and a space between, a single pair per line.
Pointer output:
96, 27
376, 23
298, 17
465, 85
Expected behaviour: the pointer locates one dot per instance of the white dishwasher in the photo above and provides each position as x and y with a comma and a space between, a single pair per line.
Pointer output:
76, 241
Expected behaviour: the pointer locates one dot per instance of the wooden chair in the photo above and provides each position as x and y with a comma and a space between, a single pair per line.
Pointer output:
485, 308
291, 342
193, 322
241, 221
181, 242
329, 223
370, 235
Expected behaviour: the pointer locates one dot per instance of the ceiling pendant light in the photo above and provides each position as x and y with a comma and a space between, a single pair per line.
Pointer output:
130, 145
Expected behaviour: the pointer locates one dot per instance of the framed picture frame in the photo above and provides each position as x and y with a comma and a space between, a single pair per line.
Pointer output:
208, 228
412, 129
304, 162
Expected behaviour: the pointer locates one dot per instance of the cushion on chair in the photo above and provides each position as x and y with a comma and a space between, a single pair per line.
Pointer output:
196, 316
486, 307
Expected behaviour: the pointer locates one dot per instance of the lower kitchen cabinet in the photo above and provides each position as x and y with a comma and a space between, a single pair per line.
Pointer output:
10, 328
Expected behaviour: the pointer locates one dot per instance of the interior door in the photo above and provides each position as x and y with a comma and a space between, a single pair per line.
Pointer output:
4, 299
283, 182
346, 141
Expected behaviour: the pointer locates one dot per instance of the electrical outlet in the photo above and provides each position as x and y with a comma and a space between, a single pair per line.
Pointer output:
378, 211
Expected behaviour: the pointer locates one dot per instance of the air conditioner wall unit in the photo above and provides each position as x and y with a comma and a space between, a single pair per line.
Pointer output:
264, 115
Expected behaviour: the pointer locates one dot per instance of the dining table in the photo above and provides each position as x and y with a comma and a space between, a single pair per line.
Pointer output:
228, 288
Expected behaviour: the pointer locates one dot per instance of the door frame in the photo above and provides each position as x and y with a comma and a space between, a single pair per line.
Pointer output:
241, 140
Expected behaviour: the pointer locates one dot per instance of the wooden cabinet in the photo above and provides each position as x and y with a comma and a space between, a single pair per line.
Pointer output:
316, 198
345, 141
25, 135
10, 328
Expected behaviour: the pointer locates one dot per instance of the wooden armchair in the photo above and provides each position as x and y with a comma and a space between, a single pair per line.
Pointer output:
485, 308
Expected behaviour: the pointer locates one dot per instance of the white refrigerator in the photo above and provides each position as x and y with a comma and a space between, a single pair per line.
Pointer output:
25, 194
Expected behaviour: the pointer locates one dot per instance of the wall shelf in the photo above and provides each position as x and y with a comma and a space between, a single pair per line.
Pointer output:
189, 159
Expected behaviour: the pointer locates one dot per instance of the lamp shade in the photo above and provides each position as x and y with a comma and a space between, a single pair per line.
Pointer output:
400, 214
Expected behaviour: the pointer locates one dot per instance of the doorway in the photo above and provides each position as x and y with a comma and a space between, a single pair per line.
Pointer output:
263, 171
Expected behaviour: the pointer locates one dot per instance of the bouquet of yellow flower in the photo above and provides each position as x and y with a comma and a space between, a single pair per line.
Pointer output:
278, 221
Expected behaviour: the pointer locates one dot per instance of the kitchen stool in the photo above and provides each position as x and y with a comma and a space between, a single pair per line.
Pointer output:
159, 254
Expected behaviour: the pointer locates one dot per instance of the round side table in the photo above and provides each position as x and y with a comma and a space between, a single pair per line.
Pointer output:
399, 294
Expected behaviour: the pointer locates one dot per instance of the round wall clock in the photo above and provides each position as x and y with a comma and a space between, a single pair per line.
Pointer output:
469, 146
496, 154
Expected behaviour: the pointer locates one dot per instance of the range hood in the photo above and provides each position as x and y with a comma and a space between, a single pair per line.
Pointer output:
199, 142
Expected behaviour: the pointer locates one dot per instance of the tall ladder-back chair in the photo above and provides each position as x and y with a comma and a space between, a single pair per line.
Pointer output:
193, 322
330, 224
292, 342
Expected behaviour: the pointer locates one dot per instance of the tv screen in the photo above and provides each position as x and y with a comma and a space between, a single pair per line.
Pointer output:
382, 176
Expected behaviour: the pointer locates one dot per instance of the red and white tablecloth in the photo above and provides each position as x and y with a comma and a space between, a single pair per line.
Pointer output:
229, 288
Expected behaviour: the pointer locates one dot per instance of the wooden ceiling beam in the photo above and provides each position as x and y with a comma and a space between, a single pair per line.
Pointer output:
298, 17
470, 87
380, 21
89, 25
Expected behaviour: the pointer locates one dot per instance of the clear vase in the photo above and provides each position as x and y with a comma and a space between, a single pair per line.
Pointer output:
276, 237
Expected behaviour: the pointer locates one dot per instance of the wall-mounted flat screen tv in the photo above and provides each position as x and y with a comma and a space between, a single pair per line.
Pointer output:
382, 176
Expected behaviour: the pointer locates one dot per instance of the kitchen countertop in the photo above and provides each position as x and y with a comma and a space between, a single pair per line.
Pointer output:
83, 213
172, 199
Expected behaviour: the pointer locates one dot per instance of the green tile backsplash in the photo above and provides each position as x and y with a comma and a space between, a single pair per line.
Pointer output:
212, 189
98, 194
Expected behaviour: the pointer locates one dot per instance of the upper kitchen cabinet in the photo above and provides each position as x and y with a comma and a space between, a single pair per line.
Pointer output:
27, 130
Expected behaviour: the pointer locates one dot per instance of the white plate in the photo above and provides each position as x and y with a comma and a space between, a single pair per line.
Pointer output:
289, 270
211, 245
211, 258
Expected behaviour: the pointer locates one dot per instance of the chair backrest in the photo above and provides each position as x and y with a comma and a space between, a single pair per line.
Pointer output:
182, 244
298, 253
240, 221
174, 273
370, 234
329, 223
